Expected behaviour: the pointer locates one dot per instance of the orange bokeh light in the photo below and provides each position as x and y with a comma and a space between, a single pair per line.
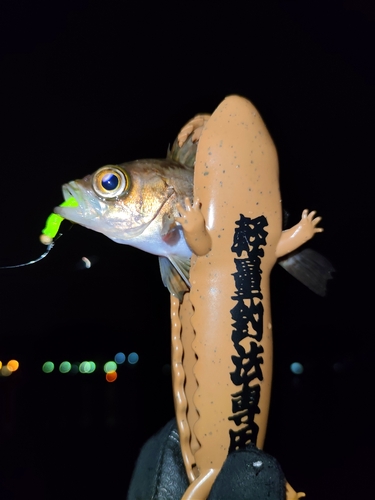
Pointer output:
13, 365
111, 376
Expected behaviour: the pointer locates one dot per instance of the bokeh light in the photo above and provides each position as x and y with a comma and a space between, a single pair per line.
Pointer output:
74, 369
5, 372
87, 262
296, 368
1, 364
133, 358
84, 367
48, 367
87, 367
65, 367
13, 365
110, 366
120, 358
111, 376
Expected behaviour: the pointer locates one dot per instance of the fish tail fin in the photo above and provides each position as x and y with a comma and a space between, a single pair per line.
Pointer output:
310, 268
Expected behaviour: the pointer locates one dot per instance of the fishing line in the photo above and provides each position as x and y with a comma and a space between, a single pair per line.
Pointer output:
49, 248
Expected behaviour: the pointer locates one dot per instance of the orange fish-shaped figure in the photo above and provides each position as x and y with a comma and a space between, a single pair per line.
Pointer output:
212, 213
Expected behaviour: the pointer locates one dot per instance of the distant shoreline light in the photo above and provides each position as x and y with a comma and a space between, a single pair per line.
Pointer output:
7, 369
84, 367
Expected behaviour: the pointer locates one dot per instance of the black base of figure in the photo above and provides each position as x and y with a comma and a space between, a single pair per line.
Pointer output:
159, 474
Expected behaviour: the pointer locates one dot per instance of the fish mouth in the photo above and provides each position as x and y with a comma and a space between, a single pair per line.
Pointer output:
91, 213
71, 190
88, 206
68, 191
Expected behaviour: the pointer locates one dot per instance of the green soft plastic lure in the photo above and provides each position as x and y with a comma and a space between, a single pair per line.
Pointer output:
53, 223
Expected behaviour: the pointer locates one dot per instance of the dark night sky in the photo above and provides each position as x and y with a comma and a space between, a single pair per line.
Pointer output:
87, 83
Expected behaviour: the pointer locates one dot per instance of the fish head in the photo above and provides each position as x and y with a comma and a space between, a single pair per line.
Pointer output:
120, 201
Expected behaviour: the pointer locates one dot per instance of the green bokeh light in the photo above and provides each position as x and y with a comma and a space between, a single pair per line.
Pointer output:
84, 367
87, 367
65, 367
48, 367
110, 366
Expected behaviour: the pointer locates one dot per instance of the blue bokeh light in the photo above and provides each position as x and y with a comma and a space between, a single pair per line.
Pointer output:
120, 358
133, 358
296, 368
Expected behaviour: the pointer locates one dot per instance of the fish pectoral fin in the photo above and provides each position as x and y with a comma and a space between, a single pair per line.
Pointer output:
168, 225
182, 265
310, 268
175, 275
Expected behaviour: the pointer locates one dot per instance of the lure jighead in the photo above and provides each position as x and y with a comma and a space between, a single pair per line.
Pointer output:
48, 236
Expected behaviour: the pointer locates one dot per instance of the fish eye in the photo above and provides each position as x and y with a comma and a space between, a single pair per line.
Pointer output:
110, 182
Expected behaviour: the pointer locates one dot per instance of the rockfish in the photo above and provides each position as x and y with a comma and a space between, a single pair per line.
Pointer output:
135, 204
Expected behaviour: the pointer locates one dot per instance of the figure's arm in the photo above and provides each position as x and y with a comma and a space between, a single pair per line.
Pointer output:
195, 127
296, 236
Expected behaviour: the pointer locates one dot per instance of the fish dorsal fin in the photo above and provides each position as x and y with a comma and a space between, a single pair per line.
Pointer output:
310, 268
175, 274
184, 154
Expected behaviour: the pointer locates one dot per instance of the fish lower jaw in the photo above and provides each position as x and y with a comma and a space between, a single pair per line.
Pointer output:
73, 214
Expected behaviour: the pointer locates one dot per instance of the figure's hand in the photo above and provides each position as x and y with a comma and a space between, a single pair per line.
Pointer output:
195, 126
191, 217
194, 227
296, 236
309, 223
